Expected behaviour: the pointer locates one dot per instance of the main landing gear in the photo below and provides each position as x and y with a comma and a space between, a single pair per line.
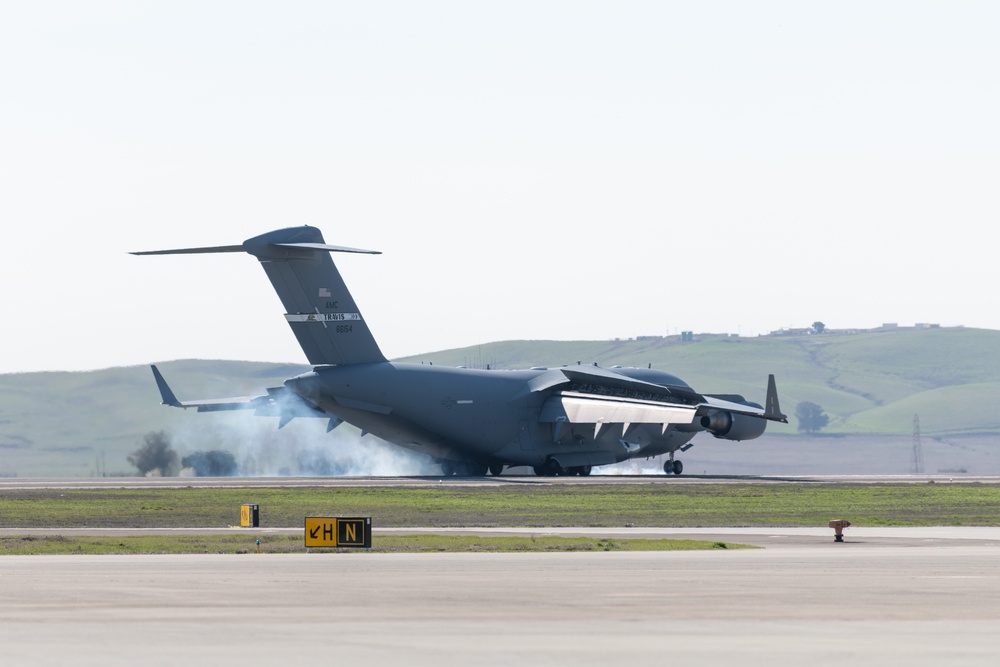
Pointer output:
672, 467
470, 469
551, 468
463, 469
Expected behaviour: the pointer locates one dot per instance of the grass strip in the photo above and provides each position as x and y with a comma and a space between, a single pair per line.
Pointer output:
245, 544
657, 504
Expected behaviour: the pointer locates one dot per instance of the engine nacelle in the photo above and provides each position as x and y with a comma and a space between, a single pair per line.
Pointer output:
728, 426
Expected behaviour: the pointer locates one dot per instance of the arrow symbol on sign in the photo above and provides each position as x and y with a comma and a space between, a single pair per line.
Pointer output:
314, 533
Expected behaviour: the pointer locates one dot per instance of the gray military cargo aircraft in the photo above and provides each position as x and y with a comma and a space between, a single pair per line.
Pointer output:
560, 421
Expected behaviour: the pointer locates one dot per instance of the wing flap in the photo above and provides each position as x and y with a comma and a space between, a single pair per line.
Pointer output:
578, 408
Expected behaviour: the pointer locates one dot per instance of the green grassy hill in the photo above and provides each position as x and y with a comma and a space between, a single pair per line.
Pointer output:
79, 424
870, 383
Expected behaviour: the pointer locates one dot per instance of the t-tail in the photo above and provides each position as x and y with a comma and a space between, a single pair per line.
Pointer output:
318, 306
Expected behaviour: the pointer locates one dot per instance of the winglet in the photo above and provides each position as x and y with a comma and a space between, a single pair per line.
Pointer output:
771, 410
165, 393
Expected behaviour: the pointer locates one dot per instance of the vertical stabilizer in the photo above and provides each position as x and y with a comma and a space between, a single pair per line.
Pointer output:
318, 306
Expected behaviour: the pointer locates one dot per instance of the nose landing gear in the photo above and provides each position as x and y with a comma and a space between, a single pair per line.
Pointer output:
672, 467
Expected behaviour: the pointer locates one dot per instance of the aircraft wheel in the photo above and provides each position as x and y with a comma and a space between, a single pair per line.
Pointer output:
678, 467
584, 471
668, 467
496, 469
549, 469
472, 470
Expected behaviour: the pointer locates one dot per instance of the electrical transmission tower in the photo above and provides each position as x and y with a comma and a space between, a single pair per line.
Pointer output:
918, 450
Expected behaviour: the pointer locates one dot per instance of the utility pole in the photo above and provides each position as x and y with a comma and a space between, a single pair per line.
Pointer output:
918, 450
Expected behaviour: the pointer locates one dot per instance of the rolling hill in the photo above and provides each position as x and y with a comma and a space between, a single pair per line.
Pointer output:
868, 383
871, 384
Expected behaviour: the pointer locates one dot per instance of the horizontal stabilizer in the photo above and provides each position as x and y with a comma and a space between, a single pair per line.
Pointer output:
192, 251
318, 306
243, 248
327, 247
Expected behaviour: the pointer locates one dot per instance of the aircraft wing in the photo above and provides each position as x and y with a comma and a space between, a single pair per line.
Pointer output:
771, 410
608, 378
277, 402
604, 379
595, 395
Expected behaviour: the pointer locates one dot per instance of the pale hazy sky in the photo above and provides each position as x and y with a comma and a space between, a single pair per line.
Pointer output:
531, 170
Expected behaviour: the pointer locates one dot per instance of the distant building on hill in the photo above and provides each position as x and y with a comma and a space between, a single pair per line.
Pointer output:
887, 326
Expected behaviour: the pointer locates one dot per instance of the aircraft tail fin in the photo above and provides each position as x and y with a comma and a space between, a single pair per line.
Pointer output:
318, 306
771, 409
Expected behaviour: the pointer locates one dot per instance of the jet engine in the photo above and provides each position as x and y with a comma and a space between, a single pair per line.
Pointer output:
728, 426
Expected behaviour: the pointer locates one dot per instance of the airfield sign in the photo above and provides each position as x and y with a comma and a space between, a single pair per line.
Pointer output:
249, 515
329, 531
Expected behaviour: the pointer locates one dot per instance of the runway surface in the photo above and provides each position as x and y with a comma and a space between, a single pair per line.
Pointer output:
884, 597
337, 482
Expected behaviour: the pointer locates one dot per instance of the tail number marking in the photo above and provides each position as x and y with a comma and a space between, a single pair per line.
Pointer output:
323, 317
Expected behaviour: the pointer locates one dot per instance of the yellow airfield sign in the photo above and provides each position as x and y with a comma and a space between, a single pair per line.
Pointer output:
249, 516
330, 531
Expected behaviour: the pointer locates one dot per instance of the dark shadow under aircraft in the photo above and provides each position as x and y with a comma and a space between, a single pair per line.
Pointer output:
558, 421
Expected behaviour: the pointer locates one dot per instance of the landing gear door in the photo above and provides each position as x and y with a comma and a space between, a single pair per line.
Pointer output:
524, 436
528, 428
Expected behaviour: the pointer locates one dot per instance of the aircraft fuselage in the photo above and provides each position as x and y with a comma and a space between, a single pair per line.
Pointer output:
488, 416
